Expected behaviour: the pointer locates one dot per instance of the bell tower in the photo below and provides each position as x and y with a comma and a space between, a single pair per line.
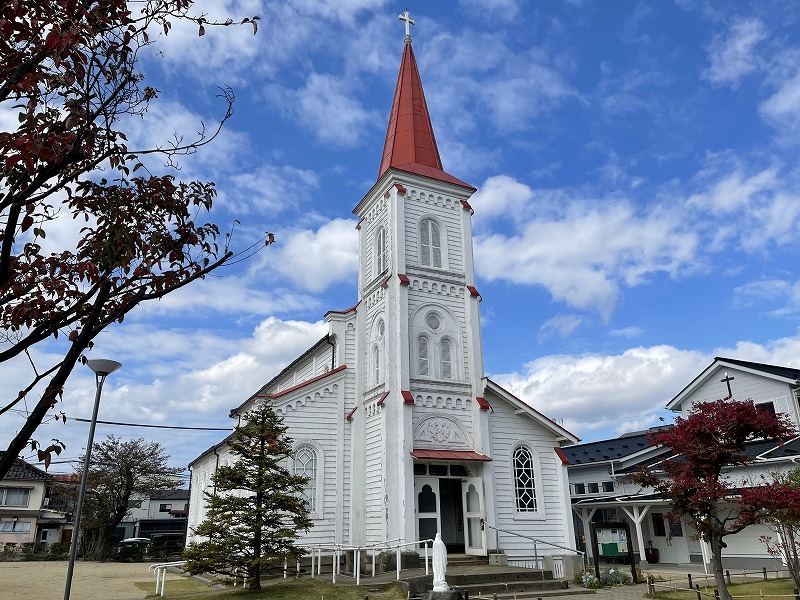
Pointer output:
418, 320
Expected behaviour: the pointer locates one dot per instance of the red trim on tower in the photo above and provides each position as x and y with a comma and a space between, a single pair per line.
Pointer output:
404, 280
305, 383
400, 188
383, 398
349, 416
484, 403
562, 456
467, 206
423, 454
358, 225
407, 397
473, 291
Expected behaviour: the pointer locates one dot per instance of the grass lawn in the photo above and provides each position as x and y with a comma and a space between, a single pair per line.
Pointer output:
295, 589
776, 587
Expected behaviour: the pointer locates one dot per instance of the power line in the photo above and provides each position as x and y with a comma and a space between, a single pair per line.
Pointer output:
153, 426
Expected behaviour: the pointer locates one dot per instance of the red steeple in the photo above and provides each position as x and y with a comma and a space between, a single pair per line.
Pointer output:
410, 144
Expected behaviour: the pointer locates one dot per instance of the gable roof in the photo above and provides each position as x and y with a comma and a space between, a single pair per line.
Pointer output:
560, 433
22, 470
786, 375
605, 450
179, 494
410, 143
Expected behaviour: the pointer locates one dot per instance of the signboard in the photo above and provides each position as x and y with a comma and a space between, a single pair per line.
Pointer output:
612, 541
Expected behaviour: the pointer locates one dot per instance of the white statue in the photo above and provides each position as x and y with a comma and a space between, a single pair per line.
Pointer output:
439, 564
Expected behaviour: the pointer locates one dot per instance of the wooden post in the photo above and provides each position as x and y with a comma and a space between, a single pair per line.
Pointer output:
796, 594
716, 594
728, 576
697, 591
765, 573
689, 575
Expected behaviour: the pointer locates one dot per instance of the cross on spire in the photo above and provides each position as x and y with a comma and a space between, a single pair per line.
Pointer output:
727, 381
409, 22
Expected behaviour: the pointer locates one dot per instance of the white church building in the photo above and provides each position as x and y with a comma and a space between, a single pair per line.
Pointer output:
394, 422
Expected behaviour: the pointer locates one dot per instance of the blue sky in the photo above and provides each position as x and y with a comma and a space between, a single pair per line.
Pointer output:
637, 212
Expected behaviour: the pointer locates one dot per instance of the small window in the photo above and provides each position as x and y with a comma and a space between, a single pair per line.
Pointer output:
433, 321
422, 345
165, 508
458, 471
438, 470
608, 486
419, 469
14, 497
15, 526
676, 529
447, 362
659, 528
579, 489
594, 488
767, 406
376, 364
524, 480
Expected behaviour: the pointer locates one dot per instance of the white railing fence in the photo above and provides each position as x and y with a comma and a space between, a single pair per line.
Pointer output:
161, 573
537, 561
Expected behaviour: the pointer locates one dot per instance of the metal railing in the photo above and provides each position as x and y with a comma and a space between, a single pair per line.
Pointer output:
558, 566
337, 550
161, 573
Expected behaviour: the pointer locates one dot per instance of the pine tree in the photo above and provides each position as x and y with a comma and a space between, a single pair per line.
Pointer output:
257, 508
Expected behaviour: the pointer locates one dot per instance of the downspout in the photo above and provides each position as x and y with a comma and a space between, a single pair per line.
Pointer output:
333, 351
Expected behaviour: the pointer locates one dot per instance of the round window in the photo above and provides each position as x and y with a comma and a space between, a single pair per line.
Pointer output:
381, 328
433, 321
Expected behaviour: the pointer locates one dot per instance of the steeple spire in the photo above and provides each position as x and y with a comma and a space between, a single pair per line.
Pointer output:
410, 144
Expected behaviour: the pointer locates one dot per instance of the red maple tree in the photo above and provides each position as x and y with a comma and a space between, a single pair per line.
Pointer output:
700, 479
68, 71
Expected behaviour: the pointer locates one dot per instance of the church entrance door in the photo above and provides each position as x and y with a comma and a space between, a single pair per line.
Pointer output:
426, 494
472, 490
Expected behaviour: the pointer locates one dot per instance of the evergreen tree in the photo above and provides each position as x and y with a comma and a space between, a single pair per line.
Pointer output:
257, 508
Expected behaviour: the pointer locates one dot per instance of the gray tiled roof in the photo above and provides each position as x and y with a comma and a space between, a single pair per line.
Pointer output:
786, 372
22, 470
614, 449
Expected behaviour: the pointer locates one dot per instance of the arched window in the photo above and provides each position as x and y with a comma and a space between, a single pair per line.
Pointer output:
376, 364
305, 465
430, 244
422, 352
524, 480
447, 360
380, 251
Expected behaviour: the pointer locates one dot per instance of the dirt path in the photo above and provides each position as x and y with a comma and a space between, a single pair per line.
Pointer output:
90, 580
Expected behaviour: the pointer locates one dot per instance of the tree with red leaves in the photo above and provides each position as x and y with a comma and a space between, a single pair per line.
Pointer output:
699, 478
68, 71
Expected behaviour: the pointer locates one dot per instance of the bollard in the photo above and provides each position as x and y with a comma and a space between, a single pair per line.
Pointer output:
689, 575
765, 573
796, 594
697, 591
651, 588
728, 576
466, 594
494, 595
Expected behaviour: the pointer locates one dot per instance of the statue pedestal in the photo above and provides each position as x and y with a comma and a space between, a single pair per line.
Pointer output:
448, 595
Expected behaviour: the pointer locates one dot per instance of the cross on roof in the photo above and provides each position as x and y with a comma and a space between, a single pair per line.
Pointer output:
409, 22
727, 381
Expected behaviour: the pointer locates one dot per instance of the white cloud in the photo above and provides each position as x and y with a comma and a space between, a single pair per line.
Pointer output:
327, 108
315, 260
502, 11
782, 109
585, 252
732, 54
268, 189
560, 325
501, 196
627, 332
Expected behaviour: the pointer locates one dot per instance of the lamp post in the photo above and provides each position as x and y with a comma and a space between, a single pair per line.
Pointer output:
101, 367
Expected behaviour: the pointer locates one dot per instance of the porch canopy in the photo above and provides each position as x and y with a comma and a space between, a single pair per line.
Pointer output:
460, 455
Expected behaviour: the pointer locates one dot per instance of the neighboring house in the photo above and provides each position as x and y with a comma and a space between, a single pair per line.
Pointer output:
25, 515
602, 492
393, 421
166, 513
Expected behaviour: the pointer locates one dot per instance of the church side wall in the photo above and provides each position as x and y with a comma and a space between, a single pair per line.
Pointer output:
312, 418
508, 430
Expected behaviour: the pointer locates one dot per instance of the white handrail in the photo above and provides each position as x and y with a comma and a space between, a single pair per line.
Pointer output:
161, 573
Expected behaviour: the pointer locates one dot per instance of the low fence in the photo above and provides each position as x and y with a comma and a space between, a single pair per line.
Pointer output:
681, 585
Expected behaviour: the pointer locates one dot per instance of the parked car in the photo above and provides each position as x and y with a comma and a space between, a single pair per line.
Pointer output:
166, 544
132, 549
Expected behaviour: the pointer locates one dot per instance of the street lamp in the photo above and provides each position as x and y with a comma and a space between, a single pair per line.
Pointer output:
101, 367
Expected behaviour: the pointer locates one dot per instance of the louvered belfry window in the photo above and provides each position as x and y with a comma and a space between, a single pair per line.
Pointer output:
430, 244
423, 355
447, 361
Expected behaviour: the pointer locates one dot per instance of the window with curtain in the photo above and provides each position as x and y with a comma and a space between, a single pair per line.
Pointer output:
430, 244
524, 480
305, 465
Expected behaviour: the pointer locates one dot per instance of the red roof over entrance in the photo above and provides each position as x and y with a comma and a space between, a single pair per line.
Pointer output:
448, 455
410, 144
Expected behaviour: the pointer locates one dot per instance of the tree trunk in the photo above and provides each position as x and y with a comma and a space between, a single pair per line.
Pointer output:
716, 563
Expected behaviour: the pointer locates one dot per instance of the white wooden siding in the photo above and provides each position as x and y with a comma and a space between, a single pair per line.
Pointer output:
373, 480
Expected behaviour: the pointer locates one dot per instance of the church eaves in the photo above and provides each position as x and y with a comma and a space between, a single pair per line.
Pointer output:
410, 143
